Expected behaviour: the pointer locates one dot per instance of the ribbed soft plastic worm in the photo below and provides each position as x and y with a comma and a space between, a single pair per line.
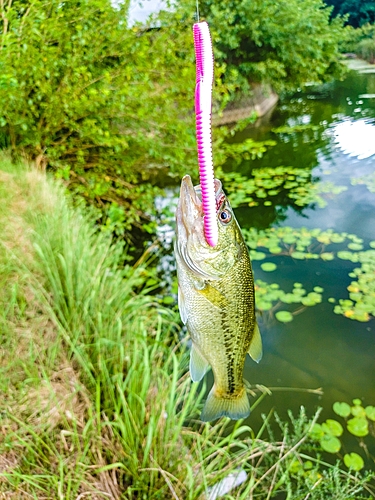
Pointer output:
203, 104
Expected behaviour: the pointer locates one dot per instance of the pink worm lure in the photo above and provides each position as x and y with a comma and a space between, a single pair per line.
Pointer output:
203, 103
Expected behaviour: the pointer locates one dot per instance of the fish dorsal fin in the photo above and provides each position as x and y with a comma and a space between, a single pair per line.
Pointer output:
182, 306
255, 349
198, 364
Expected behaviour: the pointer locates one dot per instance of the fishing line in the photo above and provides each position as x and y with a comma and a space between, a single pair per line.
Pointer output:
197, 3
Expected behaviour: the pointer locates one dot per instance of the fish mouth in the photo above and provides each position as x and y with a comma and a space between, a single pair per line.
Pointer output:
191, 245
189, 214
190, 211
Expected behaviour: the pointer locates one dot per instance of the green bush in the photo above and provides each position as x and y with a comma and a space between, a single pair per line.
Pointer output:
285, 43
104, 105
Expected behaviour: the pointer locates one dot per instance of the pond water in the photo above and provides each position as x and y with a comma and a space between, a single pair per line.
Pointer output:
328, 131
326, 139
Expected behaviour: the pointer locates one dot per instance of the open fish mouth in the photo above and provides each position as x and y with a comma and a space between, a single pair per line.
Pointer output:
191, 245
190, 204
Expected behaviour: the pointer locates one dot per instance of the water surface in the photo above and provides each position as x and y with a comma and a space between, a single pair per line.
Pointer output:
318, 348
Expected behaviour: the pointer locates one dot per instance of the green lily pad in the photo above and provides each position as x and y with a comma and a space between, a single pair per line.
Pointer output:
344, 255
275, 249
341, 409
332, 427
298, 255
308, 301
357, 402
355, 246
257, 255
317, 432
358, 411
354, 461
268, 266
318, 289
330, 443
372, 244
358, 426
327, 256
370, 412
284, 316
264, 305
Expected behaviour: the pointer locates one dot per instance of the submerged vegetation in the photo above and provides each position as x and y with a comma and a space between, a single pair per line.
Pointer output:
98, 403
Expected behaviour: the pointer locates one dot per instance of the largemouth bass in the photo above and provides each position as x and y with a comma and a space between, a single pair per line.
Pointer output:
216, 301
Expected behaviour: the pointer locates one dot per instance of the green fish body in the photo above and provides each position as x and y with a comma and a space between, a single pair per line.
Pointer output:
216, 301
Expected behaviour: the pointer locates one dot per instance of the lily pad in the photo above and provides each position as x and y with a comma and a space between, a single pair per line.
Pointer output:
257, 255
332, 427
345, 255
355, 246
341, 409
317, 432
284, 316
298, 255
370, 412
354, 461
327, 256
358, 411
268, 266
358, 426
275, 249
330, 443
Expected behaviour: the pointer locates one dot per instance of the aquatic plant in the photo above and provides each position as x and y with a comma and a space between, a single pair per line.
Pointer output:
266, 183
358, 421
368, 180
306, 244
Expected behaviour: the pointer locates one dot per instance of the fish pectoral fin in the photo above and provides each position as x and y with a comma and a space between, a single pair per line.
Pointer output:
198, 364
256, 350
213, 295
182, 306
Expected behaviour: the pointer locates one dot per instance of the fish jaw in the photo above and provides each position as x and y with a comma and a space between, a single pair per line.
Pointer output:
191, 245
189, 214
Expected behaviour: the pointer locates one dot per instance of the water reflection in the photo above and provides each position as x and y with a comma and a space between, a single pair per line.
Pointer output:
355, 137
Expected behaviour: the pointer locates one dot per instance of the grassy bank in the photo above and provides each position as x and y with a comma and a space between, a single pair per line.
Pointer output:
97, 401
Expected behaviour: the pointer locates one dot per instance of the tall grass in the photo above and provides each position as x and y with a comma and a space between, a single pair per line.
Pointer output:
98, 403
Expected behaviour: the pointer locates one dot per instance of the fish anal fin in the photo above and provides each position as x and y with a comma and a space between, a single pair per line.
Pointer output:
256, 350
198, 364
233, 407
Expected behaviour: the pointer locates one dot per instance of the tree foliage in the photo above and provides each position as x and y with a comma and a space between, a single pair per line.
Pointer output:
109, 107
359, 12
285, 43
106, 106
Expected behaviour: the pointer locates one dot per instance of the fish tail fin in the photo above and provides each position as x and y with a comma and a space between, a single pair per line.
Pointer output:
233, 407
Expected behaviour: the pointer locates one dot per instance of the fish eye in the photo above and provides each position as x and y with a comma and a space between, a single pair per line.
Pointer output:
225, 216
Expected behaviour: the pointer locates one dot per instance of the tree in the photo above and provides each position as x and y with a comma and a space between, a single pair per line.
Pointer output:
359, 12
105, 106
285, 43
